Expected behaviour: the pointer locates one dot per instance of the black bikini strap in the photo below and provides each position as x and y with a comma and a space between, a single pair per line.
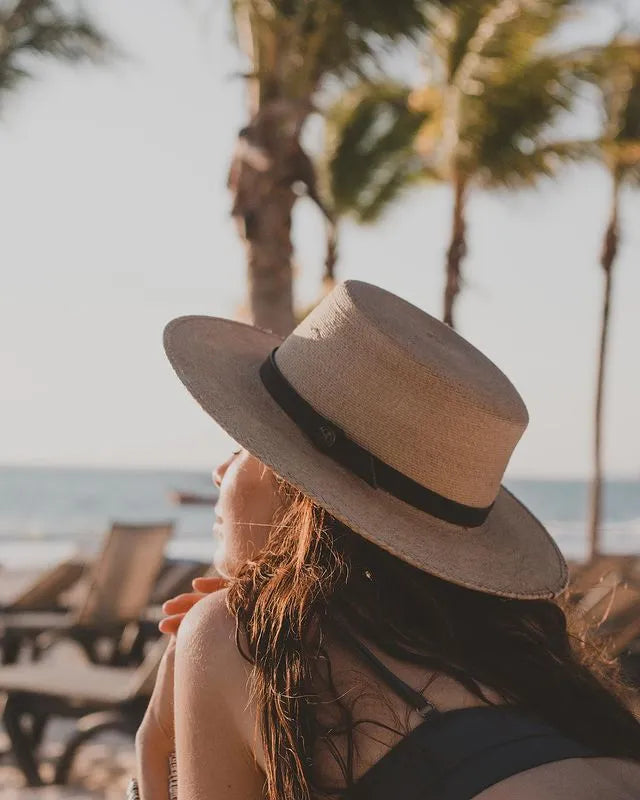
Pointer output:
456, 755
402, 689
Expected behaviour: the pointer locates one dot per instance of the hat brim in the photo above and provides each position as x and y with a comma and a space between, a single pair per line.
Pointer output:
511, 554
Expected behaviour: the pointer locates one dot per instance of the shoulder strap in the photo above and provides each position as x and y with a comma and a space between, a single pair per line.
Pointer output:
457, 754
412, 697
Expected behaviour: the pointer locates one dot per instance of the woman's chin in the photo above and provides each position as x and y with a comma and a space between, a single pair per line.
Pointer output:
221, 564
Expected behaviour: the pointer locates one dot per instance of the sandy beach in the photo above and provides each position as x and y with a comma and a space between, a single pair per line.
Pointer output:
101, 770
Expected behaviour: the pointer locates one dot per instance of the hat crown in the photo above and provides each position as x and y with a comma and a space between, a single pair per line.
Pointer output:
408, 388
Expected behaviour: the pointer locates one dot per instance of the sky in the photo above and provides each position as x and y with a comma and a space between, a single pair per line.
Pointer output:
115, 219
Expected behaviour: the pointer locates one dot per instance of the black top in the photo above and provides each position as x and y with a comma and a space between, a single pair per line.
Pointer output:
455, 755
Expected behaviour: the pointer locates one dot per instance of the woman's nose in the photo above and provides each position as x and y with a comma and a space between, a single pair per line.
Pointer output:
217, 474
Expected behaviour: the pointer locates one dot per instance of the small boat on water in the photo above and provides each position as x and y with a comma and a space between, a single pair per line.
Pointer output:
192, 499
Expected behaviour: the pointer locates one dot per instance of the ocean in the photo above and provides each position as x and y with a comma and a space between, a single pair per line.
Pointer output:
51, 513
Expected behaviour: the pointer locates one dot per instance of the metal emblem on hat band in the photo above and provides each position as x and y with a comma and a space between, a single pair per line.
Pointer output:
327, 435
332, 440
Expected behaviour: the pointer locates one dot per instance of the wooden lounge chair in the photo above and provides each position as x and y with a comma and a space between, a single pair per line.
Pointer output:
120, 583
176, 578
176, 581
586, 576
43, 593
101, 698
606, 596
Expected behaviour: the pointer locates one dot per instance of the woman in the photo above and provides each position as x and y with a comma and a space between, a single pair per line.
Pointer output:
385, 621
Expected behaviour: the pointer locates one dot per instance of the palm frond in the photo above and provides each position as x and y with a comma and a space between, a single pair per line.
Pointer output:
381, 17
630, 117
503, 88
515, 31
489, 116
11, 76
64, 39
294, 44
370, 155
451, 27
621, 96
632, 175
596, 64
473, 37
522, 167
41, 28
392, 184
520, 105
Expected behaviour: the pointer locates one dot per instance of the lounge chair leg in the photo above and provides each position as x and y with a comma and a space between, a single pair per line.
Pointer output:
38, 726
22, 743
87, 727
147, 634
136, 654
88, 644
10, 648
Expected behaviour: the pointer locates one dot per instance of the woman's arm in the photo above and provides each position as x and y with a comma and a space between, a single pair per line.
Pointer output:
155, 736
152, 761
213, 725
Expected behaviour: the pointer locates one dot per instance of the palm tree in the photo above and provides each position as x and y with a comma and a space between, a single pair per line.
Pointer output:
292, 48
621, 154
31, 28
483, 119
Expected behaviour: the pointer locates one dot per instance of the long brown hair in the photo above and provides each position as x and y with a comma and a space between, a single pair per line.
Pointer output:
314, 567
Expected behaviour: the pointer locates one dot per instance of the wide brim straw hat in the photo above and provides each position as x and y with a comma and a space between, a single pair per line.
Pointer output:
389, 420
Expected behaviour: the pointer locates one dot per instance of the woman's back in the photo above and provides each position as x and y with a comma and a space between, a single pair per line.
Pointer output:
384, 719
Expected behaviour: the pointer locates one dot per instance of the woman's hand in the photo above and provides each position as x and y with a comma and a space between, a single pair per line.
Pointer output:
177, 607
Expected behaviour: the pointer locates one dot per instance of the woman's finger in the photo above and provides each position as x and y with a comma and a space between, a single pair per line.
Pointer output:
177, 607
171, 624
208, 585
182, 602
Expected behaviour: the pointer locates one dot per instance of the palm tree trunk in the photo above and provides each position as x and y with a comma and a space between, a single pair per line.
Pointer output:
457, 250
261, 179
331, 257
266, 234
609, 251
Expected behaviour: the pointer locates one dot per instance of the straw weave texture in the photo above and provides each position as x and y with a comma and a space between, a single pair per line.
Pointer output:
429, 411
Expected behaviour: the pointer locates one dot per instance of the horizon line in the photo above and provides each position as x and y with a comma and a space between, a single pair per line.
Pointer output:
550, 477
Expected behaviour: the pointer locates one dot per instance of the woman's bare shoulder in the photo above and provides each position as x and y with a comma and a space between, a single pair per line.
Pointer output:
216, 743
218, 674
207, 642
